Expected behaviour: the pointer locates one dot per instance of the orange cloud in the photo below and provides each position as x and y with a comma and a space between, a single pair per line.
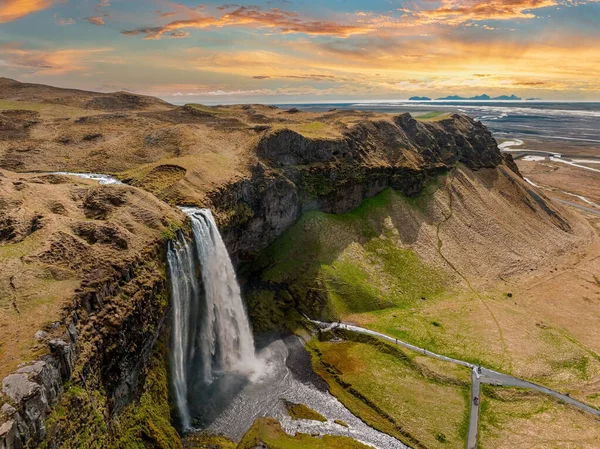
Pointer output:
95, 20
164, 14
460, 11
284, 22
44, 62
15, 9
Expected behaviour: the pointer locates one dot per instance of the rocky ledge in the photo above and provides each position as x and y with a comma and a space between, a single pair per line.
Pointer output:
294, 174
83, 294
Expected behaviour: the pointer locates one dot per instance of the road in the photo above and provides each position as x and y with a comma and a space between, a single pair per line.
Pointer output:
568, 203
479, 375
495, 378
361, 330
474, 414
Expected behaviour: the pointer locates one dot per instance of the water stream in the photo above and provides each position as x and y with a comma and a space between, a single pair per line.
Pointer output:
219, 382
211, 337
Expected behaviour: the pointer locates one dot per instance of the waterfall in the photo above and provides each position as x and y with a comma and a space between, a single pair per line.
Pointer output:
211, 334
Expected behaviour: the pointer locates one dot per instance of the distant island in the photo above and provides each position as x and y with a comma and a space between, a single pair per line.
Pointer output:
534, 99
483, 97
419, 99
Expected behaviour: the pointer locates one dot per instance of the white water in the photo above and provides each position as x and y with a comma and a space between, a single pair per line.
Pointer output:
101, 178
211, 334
185, 295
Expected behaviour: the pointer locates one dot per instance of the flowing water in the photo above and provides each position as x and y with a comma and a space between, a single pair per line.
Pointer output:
211, 337
289, 376
219, 383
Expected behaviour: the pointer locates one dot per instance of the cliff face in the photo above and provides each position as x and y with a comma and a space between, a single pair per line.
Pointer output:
296, 174
84, 298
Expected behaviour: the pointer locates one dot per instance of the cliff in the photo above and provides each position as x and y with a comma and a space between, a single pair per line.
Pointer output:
83, 280
83, 294
295, 174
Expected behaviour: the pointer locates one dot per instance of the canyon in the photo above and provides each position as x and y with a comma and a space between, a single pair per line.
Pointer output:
383, 220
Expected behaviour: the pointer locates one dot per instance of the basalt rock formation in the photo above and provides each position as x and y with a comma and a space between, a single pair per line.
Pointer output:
83, 294
296, 174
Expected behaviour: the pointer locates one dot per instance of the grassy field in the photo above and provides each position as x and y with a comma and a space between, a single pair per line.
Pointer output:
422, 405
49, 111
301, 411
268, 431
316, 130
513, 418
355, 258
376, 267
433, 116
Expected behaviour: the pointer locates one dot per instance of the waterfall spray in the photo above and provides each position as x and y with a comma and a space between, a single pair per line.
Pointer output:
211, 331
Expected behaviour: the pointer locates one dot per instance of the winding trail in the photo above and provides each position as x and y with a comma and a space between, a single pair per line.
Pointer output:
479, 375
439, 247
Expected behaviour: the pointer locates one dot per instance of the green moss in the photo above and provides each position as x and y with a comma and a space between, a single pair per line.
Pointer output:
212, 110
314, 129
268, 309
301, 411
421, 201
170, 231
207, 441
335, 265
351, 290
147, 423
80, 419
393, 393
340, 423
441, 438
578, 364
80, 414
268, 431
433, 116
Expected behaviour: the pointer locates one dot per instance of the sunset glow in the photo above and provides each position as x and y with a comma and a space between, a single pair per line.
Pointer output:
306, 50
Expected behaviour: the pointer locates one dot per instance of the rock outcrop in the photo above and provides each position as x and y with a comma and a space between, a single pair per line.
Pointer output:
296, 174
83, 292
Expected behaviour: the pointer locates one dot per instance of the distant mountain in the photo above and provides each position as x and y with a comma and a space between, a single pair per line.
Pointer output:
419, 99
12, 90
507, 98
483, 97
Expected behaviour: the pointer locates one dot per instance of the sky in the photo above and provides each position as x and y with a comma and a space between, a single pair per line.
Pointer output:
288, 51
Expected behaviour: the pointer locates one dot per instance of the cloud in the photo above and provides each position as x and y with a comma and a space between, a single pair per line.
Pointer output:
95, 20
44, 62
179, 34
447, 12
460, 11
63, 20
164, 15
283, 91
311, 77
275, 19
15, 9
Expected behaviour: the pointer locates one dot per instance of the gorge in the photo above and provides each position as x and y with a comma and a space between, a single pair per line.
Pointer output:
132, 326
